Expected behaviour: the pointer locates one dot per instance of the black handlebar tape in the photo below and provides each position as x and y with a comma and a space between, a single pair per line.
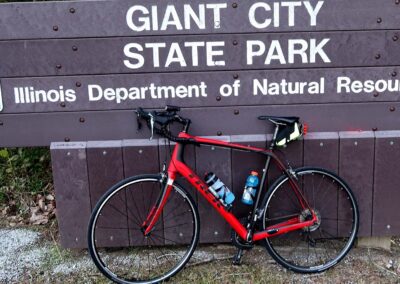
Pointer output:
142, 113
172, 108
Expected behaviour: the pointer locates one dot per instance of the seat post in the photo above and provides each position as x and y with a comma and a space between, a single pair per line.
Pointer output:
272, 145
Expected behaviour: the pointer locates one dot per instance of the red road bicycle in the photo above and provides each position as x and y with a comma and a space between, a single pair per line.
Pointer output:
307, 219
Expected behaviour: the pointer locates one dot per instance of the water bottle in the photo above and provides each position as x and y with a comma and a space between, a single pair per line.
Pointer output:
250, 188
219, 189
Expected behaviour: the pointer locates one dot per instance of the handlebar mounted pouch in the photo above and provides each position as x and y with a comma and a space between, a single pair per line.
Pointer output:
288, 133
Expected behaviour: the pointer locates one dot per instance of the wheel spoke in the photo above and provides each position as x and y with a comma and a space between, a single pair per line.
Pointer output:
282, 217
133, 257
123, 214
171, 227
314, 248
136, 207
176, 216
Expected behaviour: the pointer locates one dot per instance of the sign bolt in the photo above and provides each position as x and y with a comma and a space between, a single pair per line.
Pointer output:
377, 56
58, 66
235, 5
66, 139
375, 129
394, 74
395, 38
392, 109
72, 10
376, 95
236, 76
218, 98
62, 104
1, 123
75, 48
379, 20
55, 28
397, 2
235, 42
78, 84
236, 112
82, 120
219, 133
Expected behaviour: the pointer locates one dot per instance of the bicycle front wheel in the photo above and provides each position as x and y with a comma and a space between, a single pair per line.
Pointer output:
318, 247
116, 240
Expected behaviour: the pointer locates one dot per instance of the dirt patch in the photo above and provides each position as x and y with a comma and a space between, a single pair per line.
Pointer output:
28, 256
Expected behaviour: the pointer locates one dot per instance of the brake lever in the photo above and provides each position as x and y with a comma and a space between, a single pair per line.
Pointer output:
151, 126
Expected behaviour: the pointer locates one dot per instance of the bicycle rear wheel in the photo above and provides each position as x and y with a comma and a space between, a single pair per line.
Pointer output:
117, 244
322, 245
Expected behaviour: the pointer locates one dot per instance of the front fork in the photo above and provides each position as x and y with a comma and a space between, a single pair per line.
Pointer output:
157, 209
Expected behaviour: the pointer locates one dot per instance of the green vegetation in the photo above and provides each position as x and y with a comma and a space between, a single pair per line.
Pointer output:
24, 173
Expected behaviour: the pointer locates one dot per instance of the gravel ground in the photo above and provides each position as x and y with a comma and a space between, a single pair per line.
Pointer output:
26, 256
18, 253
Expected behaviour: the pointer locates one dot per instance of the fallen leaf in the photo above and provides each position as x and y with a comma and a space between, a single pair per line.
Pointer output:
34, 210
38, 219
41, 204
50, 197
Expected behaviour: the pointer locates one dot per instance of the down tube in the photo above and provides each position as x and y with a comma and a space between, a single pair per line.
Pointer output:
195, 181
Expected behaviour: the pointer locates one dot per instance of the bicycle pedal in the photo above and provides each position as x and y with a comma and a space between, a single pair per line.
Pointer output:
237, 259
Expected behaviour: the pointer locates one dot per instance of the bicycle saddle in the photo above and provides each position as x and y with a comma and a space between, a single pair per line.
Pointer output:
280, 119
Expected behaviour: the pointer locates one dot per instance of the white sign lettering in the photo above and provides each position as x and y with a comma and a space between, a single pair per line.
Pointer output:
284, 87
188, 54
29, 95
272, 13
305, 51
152, 91
139, 18
347, 85
213, 53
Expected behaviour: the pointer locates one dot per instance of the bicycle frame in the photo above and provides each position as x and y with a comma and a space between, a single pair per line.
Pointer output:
177, 167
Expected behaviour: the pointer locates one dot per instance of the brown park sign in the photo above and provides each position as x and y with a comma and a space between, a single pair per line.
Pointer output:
75, 70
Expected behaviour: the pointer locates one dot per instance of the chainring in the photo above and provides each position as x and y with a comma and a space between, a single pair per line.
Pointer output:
237, 241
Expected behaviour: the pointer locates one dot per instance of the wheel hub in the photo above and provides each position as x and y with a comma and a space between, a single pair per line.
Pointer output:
306, 215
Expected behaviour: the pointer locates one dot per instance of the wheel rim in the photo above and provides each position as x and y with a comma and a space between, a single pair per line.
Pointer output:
324, 244
118, 245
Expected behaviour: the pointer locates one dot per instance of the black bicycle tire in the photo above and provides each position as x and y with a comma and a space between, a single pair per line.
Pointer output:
349, 244
90, 235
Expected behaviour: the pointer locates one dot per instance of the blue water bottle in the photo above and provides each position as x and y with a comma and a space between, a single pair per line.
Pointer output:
219, 189
250, 188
